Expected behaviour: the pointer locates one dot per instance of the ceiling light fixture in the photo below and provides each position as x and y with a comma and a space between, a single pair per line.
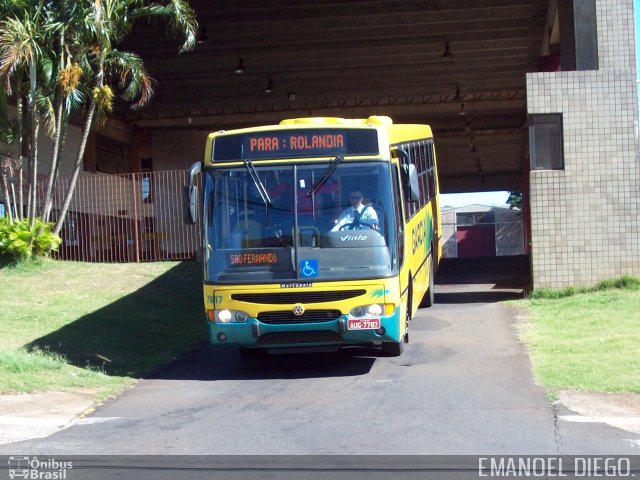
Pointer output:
240, 66
457, 96
269, 87
202, 35
447, 49
468, 128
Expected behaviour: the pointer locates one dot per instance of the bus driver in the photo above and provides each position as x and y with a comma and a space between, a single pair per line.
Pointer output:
358, 214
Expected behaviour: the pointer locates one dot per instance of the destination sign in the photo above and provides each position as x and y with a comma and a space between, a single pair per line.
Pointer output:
251, 259
295, 143
284, 143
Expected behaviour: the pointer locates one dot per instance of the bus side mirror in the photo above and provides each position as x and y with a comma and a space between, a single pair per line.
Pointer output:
411, 184
191, 198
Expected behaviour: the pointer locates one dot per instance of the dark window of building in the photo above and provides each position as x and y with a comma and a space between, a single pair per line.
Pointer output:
146, 166
545, 142
111, 155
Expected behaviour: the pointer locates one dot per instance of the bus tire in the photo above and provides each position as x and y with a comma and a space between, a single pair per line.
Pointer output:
395, 349
429, 296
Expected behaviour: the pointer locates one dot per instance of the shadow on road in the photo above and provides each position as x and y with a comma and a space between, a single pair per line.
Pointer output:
463, 297
148, 328
482, 279
504, 272
207, 364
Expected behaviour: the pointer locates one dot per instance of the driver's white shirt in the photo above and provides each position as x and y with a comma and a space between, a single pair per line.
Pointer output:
367, 215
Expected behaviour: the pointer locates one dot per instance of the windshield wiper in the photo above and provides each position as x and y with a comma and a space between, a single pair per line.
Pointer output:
325, 176
258, 183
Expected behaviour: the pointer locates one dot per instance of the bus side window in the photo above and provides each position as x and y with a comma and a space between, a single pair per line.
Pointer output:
432, 171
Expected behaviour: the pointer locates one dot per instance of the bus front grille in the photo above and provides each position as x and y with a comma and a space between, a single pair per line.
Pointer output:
287, 316
285, 298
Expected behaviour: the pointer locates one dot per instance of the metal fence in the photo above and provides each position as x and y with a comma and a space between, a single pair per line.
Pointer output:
134, 217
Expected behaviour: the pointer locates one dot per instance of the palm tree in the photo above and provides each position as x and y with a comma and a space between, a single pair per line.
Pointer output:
107, 24
63, 94
63, 53
8, 131
24, 32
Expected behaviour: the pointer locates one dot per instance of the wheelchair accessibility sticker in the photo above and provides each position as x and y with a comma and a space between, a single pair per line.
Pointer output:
309, 268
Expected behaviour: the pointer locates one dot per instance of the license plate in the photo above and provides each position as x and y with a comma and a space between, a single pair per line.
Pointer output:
371, 324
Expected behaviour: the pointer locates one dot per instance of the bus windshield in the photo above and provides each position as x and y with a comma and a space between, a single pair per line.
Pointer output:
331, 220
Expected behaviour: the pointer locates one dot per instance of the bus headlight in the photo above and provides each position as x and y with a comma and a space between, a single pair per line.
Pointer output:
374, 310
227, 316
241, 317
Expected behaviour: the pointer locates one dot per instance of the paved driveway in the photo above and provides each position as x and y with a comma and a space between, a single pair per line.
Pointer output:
463, 386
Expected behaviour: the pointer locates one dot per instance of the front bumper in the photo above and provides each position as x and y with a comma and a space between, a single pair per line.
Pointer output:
256, 334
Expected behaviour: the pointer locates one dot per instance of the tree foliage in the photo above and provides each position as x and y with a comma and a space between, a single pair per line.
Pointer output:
60, 58
515, 200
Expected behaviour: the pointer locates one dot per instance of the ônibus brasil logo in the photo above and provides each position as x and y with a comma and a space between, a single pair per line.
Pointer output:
36, 469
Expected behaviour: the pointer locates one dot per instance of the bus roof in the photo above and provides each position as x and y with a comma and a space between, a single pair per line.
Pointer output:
394, 133
398, 132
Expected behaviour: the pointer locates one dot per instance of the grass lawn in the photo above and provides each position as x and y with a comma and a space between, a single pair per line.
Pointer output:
587, 341
68, 324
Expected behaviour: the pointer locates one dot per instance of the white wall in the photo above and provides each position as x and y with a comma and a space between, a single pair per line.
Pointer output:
69, 152
584, 218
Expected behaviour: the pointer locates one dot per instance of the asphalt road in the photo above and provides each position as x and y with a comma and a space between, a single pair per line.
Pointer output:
463, 386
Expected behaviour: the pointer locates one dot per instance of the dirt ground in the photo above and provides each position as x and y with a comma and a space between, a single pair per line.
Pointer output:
27, 416
620, 410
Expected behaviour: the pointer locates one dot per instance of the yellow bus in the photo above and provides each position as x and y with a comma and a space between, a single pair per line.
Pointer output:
318, 233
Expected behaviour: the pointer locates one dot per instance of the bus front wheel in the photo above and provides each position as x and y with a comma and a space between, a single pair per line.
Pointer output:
395, 349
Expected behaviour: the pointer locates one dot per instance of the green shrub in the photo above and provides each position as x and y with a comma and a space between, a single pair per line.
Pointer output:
19, 241
626, 282
544, 293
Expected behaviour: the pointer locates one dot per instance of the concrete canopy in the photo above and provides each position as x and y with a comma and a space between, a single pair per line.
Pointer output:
458, 65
